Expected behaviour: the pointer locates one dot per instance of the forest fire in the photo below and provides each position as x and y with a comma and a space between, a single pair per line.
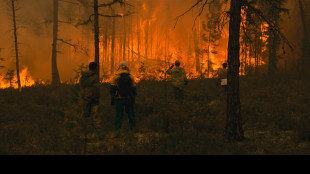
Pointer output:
212, 77
149, 38
10, 80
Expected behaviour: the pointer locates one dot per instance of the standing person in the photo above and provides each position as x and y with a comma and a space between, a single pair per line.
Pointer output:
179, 80
123, 91
89, 83
222, 76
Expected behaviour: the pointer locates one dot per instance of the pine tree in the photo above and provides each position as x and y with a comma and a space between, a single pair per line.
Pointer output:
274, 13
55, 73
16, 45
234, 129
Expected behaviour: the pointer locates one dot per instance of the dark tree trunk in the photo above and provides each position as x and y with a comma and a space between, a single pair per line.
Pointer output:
16, 47
124, 40
234, 130
305, 40
105, 45
55, 73
132, 39
197, 55
272, 66
113, 44
138, 31
96, 38
96, 34
146, 38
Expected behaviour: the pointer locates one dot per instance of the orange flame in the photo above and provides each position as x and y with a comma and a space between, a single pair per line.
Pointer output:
26, 80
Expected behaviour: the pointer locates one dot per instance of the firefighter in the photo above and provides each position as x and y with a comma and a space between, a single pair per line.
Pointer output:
179, 80
222, 76
90, 85
123, 92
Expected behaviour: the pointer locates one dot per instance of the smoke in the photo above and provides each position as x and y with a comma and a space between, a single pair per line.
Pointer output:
35, 33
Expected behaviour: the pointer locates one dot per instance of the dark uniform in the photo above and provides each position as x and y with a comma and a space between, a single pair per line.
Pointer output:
123, 103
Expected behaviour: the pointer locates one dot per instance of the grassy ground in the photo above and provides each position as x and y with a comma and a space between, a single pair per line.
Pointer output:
45, 121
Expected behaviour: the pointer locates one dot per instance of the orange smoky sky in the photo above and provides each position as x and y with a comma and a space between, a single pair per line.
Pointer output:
34, 20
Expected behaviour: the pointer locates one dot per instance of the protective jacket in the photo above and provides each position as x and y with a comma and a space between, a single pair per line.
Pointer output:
222, 77
114, 84
90, 85
178, 77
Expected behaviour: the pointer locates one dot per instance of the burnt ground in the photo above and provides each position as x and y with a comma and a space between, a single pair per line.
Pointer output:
43, 120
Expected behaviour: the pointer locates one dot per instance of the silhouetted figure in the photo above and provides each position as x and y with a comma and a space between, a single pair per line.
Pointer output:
89, 83
123, 91
222, 76
179, 80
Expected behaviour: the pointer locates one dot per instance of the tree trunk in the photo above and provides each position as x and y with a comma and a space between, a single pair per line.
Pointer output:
198, 70
138, 31
234, 130
151, 40
272, 53
55, 73
105, 45
96, 38
146, 37
305, 40
16, 47
96, 35
132, 39
113, 44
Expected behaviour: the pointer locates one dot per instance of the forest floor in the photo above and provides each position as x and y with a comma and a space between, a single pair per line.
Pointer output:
43, 120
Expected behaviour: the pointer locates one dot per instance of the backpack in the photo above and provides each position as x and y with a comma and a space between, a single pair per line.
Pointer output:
125, 85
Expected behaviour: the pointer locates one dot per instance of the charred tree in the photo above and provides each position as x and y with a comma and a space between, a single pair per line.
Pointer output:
274, 14
272, 47
96, 34
197, 51
113, 44
105, 45
305, 40
234, 129
146, 41
124, 40
138, 30
55, 73
151, 39
16, 46
132, 39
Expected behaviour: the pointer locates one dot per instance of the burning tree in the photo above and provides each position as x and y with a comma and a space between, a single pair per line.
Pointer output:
274, 14
234, 129
16, 44
212, 32
1, 59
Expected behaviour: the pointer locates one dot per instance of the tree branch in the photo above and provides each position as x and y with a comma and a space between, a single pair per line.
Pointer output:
121, 2
178, 17
68, 43
275, 29
103, 15
201, 10
69, 2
